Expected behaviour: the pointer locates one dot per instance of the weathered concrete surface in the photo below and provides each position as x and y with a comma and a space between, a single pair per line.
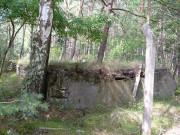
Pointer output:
79, 88
164, 83
21, 70
86, 90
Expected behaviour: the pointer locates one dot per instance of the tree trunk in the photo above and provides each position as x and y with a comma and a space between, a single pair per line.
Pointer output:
161, 47
45, 79
81, 2
22, 48
178, 64
90, 48
4, 57
35, 77
90, 13
63, 50
31, 39
106, 32
136, 84
174, 62
7, 31
142, 11
13, 35
149, 78
73, 48
74, 40
12, 46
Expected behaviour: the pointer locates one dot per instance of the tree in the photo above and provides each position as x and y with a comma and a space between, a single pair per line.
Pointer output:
35, 79
26, 11
91, 13
22, 48
106, 32
149, 74
31, 39
74, 39
12, 37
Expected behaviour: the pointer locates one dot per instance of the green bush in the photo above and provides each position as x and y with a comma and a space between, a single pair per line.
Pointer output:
3, 131
27, 128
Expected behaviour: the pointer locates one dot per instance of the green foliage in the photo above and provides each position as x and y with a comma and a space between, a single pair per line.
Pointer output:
89, 27
60, 21
22, 9
26, 128
99, 107
178, 90
3, 131
55, 53
30, 102
27, 104
10, 86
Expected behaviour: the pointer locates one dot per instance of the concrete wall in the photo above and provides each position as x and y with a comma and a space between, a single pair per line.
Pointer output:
87, 90
79, 88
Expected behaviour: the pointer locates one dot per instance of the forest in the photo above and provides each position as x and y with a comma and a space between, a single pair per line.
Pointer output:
89, 67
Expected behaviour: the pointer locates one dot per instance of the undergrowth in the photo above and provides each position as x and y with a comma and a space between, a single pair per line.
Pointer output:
97, 121
10, 85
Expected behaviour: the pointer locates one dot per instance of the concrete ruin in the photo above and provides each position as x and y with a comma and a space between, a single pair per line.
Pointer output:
86, 89
81, 88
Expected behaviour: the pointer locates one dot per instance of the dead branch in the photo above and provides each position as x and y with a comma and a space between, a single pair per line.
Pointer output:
46, 128
10, 102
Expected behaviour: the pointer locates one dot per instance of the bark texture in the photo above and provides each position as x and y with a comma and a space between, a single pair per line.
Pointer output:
31, 39
178, 65
36, 73
73, 48
149, 78
106, 33
22, 48
136, 84
63, 54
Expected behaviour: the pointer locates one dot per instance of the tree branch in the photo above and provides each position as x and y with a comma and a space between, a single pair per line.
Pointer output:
104, 2
10, 102
133, 13
129, 12
19, 28
164, 4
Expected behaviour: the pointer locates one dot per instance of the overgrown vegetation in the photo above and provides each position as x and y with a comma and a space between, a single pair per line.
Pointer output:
122, 121
91, 35
97, 121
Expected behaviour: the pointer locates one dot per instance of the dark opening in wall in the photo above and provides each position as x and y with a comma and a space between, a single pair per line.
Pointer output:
118, 78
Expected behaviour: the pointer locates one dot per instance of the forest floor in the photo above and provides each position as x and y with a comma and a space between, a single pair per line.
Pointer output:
97, 121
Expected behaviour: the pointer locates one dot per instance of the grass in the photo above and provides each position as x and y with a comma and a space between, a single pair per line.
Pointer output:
24, 61
88, 64
10, 85
97, 121
121, 121
110, 65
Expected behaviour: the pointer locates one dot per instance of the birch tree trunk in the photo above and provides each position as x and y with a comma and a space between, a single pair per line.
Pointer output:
36, 73
149, 78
